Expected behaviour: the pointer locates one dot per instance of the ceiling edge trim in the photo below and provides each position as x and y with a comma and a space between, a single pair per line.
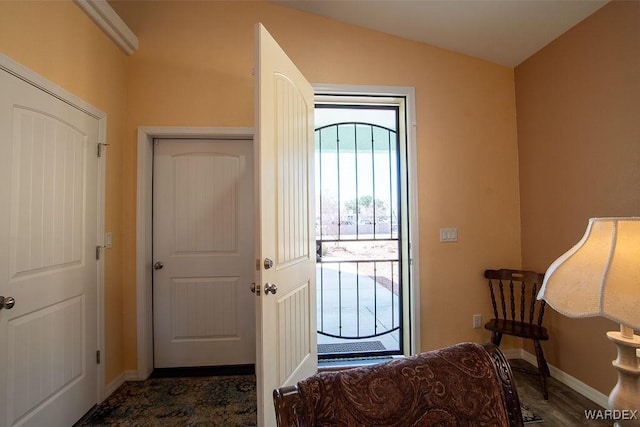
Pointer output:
108, 20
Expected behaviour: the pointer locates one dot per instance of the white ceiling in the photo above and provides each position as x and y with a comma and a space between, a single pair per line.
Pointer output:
501, 31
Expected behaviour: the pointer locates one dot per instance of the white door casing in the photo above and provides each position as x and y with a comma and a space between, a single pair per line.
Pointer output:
404, 98
286, 320
203, 238
50, 226
144, 220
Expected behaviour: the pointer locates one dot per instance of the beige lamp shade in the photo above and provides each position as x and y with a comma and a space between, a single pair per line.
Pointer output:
600, 275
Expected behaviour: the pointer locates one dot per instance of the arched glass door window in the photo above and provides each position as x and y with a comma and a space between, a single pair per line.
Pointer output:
358, 230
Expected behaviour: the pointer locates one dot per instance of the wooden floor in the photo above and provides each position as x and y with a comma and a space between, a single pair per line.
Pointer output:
565, 406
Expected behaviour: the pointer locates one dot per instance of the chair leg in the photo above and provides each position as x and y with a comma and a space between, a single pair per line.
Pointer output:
543, 369
496, 338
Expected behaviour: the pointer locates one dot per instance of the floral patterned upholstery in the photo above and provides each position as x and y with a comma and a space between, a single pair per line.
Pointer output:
463, 385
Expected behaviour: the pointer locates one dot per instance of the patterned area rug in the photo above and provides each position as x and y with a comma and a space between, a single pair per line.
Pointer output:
194, 401
528, 416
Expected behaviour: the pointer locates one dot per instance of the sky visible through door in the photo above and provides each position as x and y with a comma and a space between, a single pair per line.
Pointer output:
357, 230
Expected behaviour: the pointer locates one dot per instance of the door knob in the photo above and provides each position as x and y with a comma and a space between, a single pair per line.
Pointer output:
158, 266
270, 287
7, 302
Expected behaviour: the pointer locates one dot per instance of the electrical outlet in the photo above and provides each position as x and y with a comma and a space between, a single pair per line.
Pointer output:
477, 320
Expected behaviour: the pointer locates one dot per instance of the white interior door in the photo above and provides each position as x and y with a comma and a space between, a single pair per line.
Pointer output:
203, 237
286, 317
48, 237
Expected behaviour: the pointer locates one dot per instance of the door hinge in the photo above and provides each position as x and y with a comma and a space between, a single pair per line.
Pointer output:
101, 147
98, 357
98, 251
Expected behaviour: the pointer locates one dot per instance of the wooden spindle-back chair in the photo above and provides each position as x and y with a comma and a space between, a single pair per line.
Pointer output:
521, 319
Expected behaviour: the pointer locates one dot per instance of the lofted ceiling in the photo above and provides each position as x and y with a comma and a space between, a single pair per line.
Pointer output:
505, 32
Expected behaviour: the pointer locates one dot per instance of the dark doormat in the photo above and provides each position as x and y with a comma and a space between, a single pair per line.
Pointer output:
351, 347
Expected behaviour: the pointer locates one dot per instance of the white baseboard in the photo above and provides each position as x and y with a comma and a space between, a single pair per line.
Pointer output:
512, 353
566, 379
132, 376
119, 380
113, 385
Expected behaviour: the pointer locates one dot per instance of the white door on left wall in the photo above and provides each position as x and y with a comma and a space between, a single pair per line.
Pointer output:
48, 238
203, 253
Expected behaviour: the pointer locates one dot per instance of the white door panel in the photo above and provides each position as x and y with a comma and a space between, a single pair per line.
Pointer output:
48, 235
286, 320
203, 235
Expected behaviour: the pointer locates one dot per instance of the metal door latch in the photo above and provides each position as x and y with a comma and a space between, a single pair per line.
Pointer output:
255, 289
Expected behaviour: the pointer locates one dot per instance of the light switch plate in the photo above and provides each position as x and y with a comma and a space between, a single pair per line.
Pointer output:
448, 234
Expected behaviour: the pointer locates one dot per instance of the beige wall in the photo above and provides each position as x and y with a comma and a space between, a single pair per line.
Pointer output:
58, 41
578, 104
579, 138
194, 68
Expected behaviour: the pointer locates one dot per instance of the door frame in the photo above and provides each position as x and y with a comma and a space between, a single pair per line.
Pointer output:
23, 73
144, 203
409, 94
144, 230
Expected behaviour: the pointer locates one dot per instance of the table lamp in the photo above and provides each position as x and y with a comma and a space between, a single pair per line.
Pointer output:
600, 276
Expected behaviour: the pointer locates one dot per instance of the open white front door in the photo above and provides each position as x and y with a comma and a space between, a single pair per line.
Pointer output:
285, 281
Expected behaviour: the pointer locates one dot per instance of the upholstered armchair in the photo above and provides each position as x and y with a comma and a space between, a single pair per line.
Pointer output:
463, 385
